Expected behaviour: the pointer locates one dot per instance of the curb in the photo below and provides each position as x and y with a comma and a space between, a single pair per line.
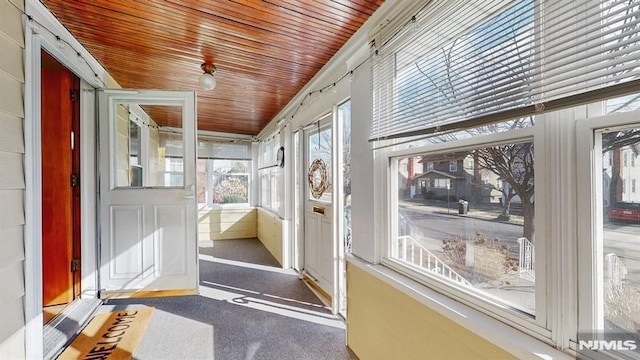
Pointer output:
477, 217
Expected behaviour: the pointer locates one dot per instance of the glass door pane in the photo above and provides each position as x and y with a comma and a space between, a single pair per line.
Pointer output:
148, 149
620, 277
319, 162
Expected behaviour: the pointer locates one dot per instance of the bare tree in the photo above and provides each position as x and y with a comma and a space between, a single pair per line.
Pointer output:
514, 164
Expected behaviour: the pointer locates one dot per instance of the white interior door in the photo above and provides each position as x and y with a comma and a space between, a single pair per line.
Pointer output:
319, 259
148, 218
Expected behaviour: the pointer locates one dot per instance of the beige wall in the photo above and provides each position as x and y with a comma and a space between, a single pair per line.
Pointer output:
12, 183
270, 232
384, 323
226, 224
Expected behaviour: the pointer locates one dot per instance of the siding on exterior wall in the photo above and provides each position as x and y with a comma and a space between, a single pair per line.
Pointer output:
11, 137
11, 61
11, 99
384, 323
270, 232
227, 224
12, 184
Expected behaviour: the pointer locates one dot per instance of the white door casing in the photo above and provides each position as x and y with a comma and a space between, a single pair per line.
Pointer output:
148, 228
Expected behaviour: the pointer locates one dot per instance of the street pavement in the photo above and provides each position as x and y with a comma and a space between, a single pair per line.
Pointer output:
434, 224
430, 225
622, 239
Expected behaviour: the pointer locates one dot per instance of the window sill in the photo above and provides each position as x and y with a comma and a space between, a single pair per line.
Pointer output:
511, 340
202, 207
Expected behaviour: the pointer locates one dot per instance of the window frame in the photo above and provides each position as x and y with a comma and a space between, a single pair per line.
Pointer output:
209, 156
536, 325
211, 173
208, 187
168, 165
589, 247
453, 166
269, 174
625, 159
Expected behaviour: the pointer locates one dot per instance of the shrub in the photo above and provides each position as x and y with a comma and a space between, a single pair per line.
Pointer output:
233, 199
623, 309
479, 256
230, 190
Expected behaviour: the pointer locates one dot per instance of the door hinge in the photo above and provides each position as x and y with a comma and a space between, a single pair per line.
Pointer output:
75, 265
75, 180
73, 94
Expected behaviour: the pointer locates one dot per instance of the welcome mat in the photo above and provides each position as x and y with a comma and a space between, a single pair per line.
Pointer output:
112, 336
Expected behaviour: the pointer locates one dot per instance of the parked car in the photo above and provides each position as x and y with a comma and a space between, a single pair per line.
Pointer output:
625, 211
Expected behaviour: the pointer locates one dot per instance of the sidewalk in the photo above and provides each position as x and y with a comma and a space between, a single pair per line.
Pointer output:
480, 214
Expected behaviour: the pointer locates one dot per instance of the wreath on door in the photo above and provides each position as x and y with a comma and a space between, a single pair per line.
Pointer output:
317, 177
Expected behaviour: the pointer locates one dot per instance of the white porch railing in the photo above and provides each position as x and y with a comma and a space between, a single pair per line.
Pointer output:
405, 248
527, 259
614, 274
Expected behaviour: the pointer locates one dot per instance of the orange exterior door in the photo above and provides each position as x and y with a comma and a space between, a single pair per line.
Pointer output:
60, 218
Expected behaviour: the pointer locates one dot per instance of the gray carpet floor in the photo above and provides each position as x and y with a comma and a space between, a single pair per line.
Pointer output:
248, 308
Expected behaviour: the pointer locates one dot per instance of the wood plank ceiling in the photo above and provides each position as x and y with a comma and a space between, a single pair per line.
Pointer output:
264, 51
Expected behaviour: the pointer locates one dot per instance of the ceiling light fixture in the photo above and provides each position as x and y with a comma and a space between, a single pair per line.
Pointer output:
207, 80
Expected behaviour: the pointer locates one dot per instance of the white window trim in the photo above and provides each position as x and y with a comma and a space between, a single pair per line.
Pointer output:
590, 248
533, 326
268, 171
209, 189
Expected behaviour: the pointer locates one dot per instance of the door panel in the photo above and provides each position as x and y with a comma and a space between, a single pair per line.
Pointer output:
126, 250
57, 118
148, 205
326, 250
170, 239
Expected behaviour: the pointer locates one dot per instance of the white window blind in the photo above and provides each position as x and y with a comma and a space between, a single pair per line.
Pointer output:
219, 149
268, 151
223, 149
468, 63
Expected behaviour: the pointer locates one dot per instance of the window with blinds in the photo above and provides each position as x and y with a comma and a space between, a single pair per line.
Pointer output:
224, 149
458, 64
224, 172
